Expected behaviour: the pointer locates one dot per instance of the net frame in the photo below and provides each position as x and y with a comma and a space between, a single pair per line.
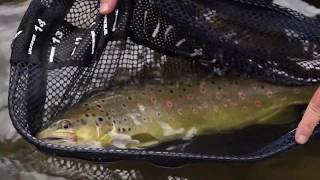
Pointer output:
132, 37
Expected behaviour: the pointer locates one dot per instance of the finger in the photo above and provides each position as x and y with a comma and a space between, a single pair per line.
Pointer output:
107, 6
309, 120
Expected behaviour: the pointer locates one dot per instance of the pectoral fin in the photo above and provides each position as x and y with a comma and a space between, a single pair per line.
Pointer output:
145, 140
105, 140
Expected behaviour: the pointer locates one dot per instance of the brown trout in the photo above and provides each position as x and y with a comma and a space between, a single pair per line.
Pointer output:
140, 117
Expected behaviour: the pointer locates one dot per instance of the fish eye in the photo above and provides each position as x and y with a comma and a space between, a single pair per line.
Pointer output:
65, 124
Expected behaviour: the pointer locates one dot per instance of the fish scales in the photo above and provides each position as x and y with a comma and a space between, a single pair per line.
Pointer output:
151, 114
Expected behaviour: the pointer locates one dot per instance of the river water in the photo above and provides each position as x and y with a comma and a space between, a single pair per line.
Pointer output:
19, 160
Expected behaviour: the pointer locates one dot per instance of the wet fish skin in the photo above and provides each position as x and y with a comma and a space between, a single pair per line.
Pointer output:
138, 117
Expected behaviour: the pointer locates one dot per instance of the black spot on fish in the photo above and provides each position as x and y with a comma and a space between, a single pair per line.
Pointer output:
212, 82
114, 122
124, 105
219, 88
100, 119
171, 91
94, 115
160, 91
125, 119
262, 86
102, 111
119, 130
109, 117
87, 115
129, 129
184, 89
144, 119
123, 130
158, 114
107, 114
129, 98
102, 100
99, 106
86, 104
97, 124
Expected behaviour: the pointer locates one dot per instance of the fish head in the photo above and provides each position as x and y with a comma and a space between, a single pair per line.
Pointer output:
79, 129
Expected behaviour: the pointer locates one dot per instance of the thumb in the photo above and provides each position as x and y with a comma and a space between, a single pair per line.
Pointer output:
310, 119
107, 6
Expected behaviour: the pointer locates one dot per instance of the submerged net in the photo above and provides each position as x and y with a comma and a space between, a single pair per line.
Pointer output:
64, 50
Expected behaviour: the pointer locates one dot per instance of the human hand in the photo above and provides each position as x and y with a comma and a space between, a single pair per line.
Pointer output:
107, 6
310, 120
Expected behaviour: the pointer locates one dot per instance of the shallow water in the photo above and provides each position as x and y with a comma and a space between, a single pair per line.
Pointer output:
19, 160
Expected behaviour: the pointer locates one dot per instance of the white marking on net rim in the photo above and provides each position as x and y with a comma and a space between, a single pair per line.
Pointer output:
167, 32
145, 20
93, 38
179, 43
115, 21
73, 51
52, 52
105, 25
17, 34
156, 30
31, 44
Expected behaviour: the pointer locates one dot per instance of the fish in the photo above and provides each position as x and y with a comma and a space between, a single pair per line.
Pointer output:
144, 116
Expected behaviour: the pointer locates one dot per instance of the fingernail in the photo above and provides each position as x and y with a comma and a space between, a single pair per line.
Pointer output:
302, 139
104, 7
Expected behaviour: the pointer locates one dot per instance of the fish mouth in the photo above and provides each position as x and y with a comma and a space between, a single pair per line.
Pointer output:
57, 136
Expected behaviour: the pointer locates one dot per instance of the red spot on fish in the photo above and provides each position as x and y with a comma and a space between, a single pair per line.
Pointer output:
254, 86
242, 95
218, 95
153, 100
269, 94
258, 103
189, 97
169, 104
203, 89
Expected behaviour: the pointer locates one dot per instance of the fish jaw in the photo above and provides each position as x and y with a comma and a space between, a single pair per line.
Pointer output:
58, 135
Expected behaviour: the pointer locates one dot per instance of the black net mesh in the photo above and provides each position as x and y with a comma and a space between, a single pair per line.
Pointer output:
64, 50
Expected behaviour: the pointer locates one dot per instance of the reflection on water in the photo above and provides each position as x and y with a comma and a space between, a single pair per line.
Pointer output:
19, 160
